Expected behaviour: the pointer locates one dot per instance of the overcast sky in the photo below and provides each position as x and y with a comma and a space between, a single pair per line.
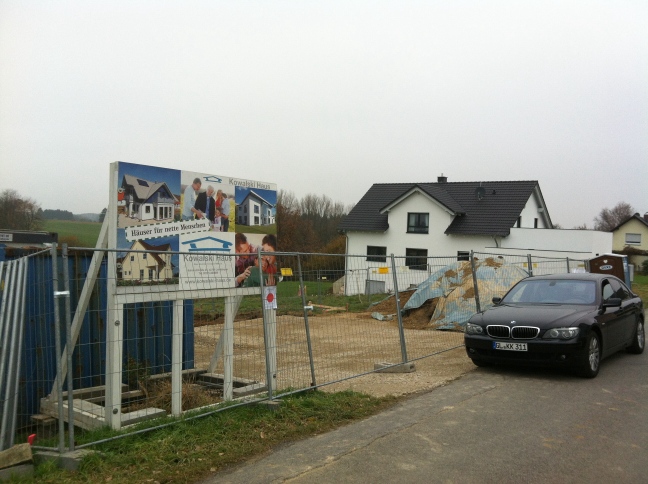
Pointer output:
328, 97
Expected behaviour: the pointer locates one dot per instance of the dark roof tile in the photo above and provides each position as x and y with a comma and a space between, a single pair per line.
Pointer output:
494, 213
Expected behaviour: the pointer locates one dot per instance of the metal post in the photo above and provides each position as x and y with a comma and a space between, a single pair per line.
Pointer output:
568, 268
8, 359
57, 338
529, 265
270, 365
401, 332
69, 348
5, 316
20, 309
306, 324
475, 285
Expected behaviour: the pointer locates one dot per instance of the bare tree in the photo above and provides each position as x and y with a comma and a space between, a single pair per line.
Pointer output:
18, 213
608, 219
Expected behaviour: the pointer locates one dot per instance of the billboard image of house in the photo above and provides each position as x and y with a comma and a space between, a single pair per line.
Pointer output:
146, 267
146, 200
255, 207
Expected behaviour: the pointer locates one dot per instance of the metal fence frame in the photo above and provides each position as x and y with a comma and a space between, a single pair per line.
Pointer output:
287, 354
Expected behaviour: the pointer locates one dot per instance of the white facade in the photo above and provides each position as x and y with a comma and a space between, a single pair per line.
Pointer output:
540, 242
253, 212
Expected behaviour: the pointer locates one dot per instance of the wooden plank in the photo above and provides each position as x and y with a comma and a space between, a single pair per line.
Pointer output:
219, 379
90, 392
84, 300
250, 390
84, 419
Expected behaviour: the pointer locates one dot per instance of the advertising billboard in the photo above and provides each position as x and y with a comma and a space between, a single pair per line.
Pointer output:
183, 227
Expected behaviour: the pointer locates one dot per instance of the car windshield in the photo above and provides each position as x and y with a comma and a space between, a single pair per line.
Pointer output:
559, 291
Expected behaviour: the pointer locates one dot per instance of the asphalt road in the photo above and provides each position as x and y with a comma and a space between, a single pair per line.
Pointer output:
492, 425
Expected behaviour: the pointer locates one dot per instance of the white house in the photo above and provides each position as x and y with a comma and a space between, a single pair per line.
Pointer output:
254, 210
418, 221
147, 266
146, 200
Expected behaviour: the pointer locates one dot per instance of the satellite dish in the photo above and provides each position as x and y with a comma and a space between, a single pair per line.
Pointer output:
480, 192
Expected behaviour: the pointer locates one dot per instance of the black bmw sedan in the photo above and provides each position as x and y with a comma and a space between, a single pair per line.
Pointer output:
565, 319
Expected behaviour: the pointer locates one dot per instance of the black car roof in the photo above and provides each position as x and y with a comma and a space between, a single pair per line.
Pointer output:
577, 276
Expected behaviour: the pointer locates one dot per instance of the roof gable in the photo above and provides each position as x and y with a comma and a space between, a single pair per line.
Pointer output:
480, 208
145, 189
636, 217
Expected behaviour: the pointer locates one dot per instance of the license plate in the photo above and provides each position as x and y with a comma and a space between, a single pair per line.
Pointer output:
498, 345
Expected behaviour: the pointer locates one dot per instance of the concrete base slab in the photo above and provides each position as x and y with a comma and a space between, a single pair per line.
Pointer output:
23, 470
68, 460
391, 368
272, 405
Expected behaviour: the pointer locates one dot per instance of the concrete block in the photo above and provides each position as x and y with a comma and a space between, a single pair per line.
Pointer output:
392, 368
272, 405
68, 460
23, 470
18, 454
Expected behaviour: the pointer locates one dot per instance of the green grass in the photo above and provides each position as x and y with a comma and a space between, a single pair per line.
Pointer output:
289, 301
192, 450
75, 234
640, 286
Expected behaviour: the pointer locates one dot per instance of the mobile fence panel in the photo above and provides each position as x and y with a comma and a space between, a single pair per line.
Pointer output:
142, 342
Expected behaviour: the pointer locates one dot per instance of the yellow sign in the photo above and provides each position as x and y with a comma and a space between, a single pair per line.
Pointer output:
286, 271
383, 270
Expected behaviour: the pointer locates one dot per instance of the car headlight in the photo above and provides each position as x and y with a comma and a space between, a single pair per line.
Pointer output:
561, 333
474, 329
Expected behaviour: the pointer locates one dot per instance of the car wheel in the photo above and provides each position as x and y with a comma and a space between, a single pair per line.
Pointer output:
639, 340
480, 363
591, 359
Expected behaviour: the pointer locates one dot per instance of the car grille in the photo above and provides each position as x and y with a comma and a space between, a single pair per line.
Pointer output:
517, 332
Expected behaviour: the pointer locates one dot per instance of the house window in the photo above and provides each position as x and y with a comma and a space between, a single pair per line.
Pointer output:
147, 209
151, 274
418, 223
633, 239
144, 256
519, 222
463, 256
132, 258
535, 223
256, 209
141, 274
416, 259
376, 254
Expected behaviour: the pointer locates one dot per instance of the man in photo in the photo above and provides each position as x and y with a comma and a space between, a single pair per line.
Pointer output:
205, 206
189, 199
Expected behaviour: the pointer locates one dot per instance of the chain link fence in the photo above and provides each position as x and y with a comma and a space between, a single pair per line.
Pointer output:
120, 348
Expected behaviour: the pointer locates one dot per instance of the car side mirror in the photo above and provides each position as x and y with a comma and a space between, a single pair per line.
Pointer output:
613, 302
497, 300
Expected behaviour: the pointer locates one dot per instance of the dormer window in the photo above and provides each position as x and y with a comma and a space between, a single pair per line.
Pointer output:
418, 223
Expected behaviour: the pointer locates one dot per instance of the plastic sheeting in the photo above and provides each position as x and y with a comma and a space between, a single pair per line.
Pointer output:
454, 291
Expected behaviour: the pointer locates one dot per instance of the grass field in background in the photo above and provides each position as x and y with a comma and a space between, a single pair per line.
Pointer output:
73, 233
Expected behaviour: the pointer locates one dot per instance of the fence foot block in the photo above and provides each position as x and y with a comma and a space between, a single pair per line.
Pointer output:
272, 405
23, 470
68, 460
392, 368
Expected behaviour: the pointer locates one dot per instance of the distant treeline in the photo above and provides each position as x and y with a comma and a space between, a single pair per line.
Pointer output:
56, 215
309, 224
49, 214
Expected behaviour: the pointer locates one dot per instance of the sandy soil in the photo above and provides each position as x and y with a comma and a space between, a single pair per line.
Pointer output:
343, 345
